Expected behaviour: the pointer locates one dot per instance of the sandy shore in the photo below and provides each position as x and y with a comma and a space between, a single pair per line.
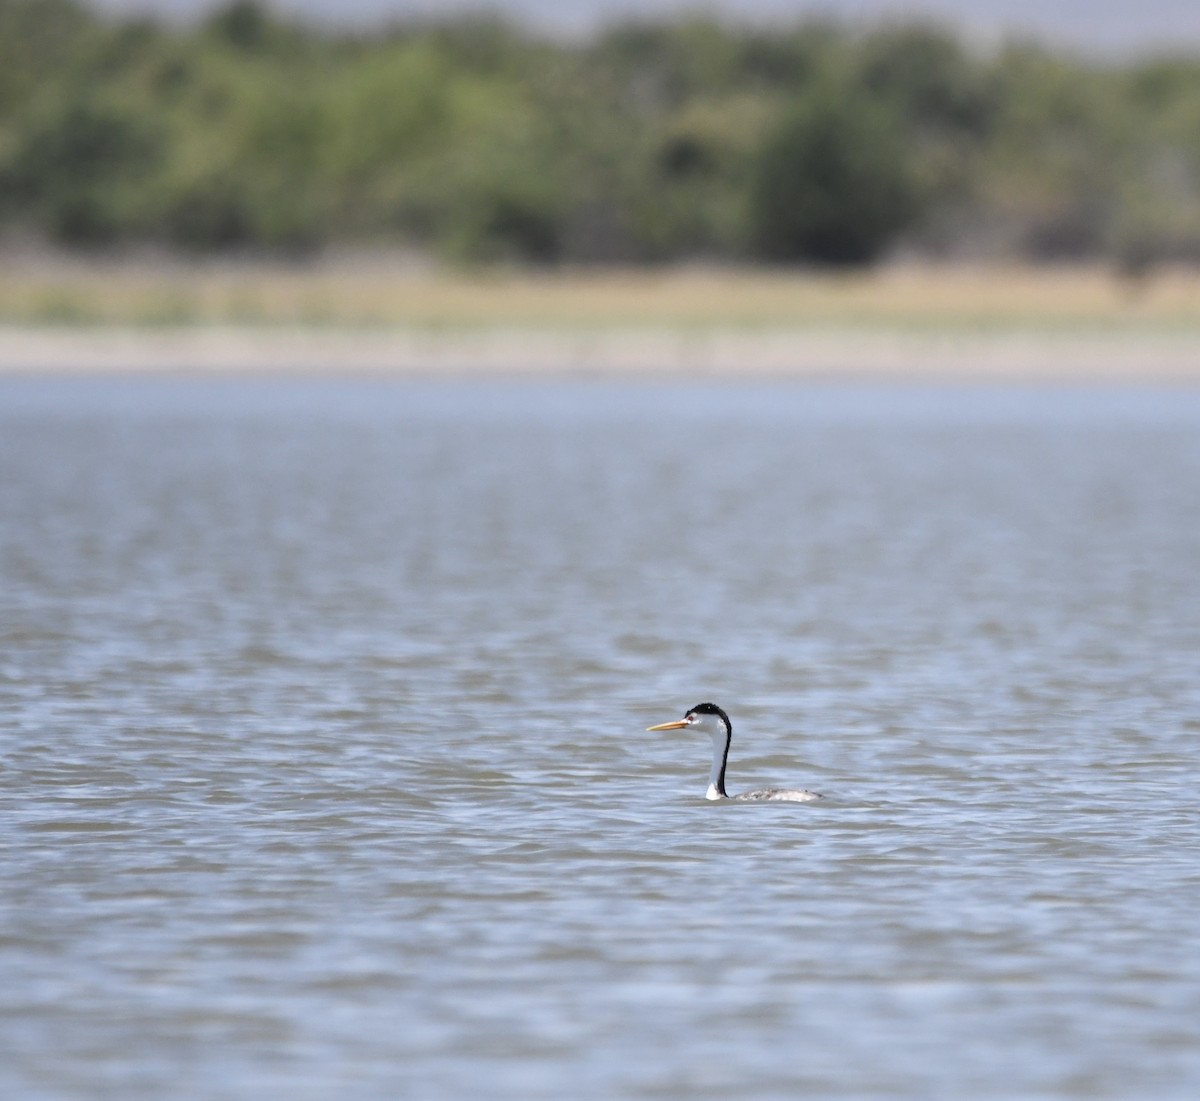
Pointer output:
356, 315
900, 355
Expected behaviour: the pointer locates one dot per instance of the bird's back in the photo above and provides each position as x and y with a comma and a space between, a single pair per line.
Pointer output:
776, 795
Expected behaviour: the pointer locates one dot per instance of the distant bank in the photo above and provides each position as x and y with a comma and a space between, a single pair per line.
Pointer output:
845, 355
363, 313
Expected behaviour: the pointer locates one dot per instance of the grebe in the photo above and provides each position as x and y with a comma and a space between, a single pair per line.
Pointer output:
715, 723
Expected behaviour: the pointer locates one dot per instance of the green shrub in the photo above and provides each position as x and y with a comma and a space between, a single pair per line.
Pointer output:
832, 183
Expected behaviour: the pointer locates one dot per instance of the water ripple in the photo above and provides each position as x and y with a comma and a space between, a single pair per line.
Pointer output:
324, 772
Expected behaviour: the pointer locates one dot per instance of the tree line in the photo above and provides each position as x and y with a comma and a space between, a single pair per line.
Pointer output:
479, 140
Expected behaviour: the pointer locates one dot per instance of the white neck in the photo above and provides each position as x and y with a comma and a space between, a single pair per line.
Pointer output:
715, 729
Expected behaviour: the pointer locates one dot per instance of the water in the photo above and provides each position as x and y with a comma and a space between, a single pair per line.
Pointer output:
323, 772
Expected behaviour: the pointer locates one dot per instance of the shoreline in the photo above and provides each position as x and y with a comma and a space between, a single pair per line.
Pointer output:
830, 354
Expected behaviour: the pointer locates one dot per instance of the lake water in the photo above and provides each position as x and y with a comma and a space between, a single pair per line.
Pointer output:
323, 771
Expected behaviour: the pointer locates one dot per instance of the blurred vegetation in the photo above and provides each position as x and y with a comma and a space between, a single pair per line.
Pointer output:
479, 141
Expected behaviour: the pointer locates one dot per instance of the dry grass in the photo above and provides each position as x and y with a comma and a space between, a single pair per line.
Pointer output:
386, 293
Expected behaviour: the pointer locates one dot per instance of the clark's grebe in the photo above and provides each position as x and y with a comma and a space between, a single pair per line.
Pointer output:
709, 718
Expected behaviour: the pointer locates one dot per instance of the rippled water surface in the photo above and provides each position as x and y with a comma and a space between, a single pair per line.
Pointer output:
323, 771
